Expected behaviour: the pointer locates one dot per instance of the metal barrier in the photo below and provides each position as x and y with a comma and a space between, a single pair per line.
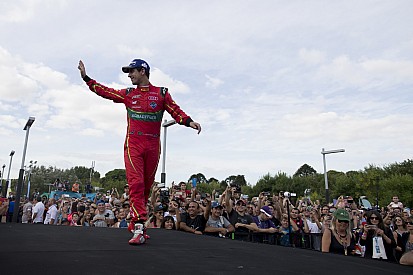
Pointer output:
300, 240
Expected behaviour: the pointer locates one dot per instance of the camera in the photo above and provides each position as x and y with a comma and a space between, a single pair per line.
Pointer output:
107, 215
266, 193
164, 195
288, 194
236, 187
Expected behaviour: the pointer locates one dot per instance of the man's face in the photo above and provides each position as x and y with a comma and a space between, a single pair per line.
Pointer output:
264, 217
216, 212
295, 213
136, 76
240, 206
193, 209
101, 207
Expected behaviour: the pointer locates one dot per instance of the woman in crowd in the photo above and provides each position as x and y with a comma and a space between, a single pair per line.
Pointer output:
168, 223
74, 219
121, 219
326, 222
156, 219
86, 219
338, 238
285, 231
370, 238
401, 236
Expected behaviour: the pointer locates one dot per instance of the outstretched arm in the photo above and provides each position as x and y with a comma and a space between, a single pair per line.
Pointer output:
117, 96
82, 69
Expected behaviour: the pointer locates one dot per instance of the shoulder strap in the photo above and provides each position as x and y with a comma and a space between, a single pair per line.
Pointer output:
163, 91
128, 90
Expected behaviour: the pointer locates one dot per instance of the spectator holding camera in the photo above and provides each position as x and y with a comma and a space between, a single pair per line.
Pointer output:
103, 217
217, 225
377, 238
242, 222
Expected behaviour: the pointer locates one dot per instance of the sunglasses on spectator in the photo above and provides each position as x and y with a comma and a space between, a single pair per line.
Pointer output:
410, 223
341, 221
374, 218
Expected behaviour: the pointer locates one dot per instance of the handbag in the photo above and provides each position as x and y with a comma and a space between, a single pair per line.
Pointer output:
378, 248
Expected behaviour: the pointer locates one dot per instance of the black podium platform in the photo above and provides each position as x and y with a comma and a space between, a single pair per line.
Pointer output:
36, 248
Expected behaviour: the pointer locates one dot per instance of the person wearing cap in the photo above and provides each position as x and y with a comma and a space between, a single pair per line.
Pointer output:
145, 106
156, 217
266, 228
238, 217
217, 225
338, 238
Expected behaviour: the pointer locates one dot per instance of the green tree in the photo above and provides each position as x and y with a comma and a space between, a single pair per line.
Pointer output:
304, 171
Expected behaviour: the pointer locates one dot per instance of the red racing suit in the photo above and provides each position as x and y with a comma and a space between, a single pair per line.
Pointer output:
145, 107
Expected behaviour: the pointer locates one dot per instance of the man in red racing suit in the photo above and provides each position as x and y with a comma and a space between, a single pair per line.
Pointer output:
145, 106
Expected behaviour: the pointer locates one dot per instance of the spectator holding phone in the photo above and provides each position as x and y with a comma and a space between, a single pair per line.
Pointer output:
104, 217
377, 238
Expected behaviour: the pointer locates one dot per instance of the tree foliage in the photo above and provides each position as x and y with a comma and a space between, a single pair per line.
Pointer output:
374, 182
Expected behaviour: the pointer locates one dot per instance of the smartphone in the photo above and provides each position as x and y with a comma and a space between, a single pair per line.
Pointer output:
193, 182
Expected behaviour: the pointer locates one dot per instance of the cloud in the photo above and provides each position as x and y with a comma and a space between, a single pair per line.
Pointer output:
213, 82
312, 57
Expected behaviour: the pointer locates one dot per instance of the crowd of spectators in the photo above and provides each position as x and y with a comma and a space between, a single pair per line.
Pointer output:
342, 227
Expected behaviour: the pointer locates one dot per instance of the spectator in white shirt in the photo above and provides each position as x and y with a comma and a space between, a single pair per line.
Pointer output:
38, 210
51, 215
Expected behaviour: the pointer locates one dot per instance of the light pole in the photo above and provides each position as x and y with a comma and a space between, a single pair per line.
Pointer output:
6, 189
324, 153
21, 173
2, 175
165, 125
32, 164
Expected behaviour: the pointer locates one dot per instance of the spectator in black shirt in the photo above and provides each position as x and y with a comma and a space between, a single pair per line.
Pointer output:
191, 221
242, 222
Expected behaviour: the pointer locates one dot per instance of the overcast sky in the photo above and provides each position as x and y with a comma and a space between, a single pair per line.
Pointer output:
271, 82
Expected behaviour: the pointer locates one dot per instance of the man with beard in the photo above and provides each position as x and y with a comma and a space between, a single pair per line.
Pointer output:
145, 105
